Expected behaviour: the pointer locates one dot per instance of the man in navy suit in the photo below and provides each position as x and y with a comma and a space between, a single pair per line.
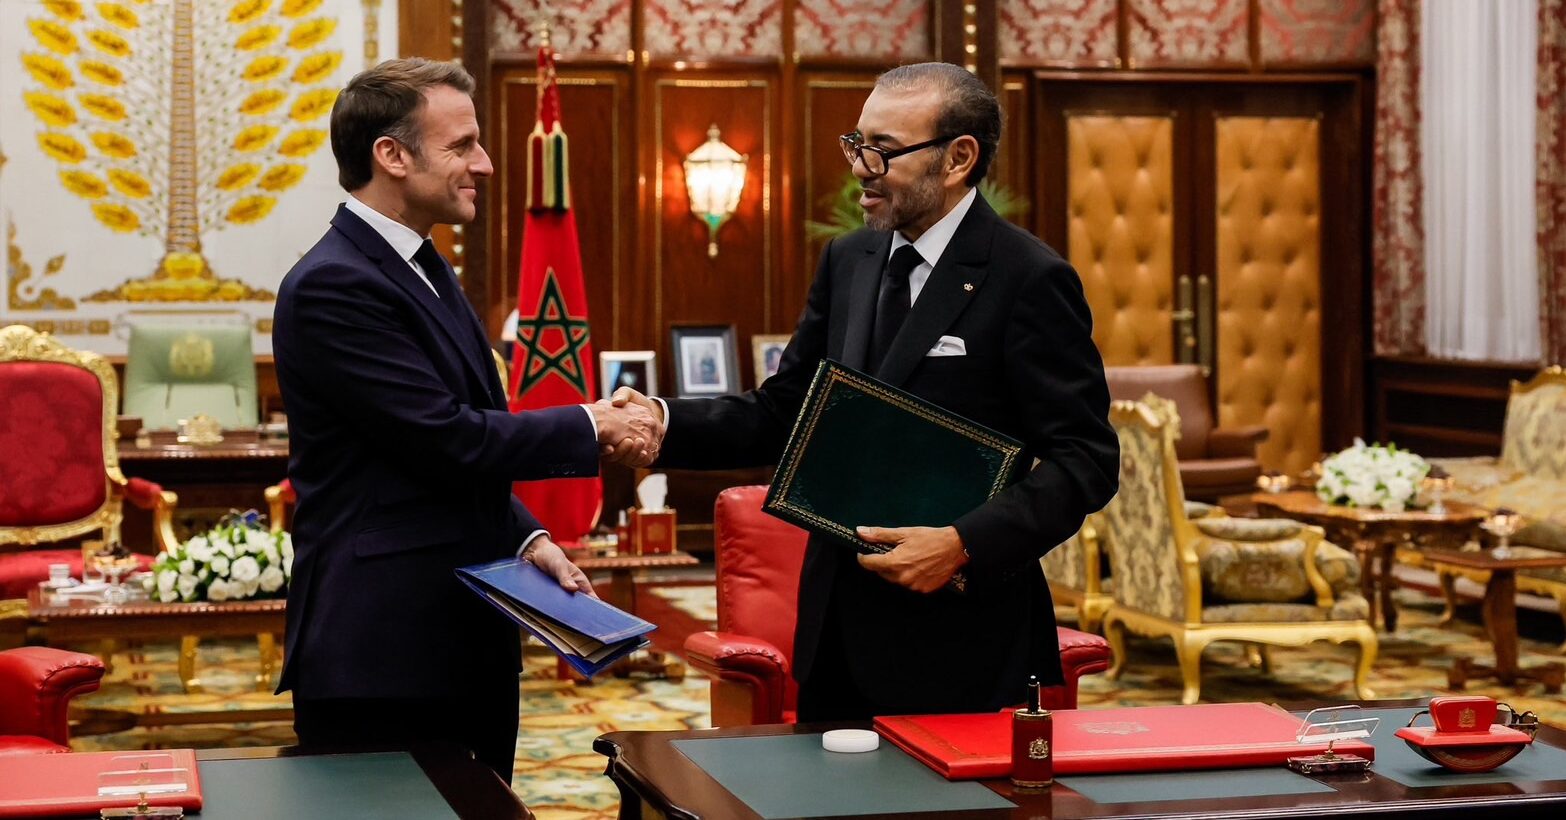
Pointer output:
403, 452
941, 297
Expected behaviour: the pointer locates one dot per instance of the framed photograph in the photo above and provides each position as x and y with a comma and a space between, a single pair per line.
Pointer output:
705, 361
636, 369
766, 351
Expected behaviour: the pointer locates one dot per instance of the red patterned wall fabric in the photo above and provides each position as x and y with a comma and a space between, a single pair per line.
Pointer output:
1397, 192
885, 29
580, 27
1551, 183
1317, 31
1075, 32
1188, 32
713, 28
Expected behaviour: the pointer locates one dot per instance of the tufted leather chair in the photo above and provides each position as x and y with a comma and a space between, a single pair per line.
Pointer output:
36, 685
1214, 461
59, 467
759, 558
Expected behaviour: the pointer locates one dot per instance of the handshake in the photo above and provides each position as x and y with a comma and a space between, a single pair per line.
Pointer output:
630, 428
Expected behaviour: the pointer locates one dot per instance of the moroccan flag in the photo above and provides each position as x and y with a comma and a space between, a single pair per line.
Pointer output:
553, 359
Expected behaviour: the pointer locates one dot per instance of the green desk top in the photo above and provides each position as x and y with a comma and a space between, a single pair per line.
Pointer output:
386, 786
792, 776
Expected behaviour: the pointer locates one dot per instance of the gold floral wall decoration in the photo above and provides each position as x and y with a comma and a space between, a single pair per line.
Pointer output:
176, 119
25, 293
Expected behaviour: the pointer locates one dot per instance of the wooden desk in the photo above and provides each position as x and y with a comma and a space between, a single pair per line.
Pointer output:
470, 789
655, 779
1375, 535
67, 620
232, 474
1500, 614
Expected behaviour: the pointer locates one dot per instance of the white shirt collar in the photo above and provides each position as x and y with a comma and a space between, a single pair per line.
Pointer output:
932, 243
403, 239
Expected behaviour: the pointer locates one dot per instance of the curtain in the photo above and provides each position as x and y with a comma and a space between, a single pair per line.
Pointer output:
1397, 192
1481, 248
1551, 184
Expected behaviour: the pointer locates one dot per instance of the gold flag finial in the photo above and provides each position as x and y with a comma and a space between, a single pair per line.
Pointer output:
542, 29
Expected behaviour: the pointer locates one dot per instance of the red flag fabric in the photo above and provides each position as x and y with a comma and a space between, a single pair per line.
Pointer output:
553, 361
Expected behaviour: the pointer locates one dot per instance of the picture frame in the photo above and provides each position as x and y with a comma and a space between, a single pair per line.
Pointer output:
637, 369
705, 360
766, 352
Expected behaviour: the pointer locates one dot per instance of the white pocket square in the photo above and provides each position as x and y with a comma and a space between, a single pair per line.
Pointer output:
949, 346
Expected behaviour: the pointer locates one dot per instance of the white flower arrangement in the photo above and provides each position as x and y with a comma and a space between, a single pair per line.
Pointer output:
1372, 475
234, 561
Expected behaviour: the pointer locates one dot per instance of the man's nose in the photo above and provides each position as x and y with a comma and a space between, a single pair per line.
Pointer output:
482, 167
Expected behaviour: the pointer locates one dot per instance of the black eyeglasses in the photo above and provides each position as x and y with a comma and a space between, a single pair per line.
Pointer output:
879, 160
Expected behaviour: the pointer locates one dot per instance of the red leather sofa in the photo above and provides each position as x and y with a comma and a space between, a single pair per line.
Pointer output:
758, 562
36, 685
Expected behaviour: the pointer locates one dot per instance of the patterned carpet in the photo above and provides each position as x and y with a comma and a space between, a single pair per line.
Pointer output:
559, 776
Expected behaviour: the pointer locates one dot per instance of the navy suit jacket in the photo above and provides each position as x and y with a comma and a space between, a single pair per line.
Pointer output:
403, 454
1031, 371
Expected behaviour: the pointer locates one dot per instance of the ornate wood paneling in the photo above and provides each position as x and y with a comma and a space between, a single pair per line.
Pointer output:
892, 30
596, 113
1268, 207
1121, 219
1208, 34
688, 286
712, 29
830, 105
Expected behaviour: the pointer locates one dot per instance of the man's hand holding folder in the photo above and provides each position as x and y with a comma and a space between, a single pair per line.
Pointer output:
922, 559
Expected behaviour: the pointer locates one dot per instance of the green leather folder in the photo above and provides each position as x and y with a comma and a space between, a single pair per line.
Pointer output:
865, 453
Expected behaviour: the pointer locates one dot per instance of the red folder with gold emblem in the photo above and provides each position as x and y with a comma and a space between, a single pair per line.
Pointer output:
1105, 741
69, 785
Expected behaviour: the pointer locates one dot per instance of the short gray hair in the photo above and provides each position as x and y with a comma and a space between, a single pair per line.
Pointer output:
968, 107
384, 102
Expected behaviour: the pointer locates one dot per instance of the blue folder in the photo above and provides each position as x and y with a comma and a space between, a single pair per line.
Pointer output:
588, 633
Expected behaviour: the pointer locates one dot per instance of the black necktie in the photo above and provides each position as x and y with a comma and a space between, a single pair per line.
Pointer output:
893, 304
435, 271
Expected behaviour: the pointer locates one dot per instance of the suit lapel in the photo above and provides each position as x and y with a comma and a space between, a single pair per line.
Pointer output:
951, 286
865, 284
401, 273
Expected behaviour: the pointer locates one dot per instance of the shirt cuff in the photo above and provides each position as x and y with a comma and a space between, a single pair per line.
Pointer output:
664, 406
528, 541
592, 420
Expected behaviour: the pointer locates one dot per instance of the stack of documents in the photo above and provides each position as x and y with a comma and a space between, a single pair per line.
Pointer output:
588, 633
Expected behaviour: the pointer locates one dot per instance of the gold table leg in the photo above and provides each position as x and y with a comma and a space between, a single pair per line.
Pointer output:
268, 646
188, 647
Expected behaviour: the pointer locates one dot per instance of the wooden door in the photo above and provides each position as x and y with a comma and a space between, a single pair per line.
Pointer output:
1207, 217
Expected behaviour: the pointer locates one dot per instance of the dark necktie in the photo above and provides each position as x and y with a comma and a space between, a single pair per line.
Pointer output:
435, 270
893, 304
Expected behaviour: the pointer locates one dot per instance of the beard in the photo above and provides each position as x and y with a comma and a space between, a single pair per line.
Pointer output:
905, 207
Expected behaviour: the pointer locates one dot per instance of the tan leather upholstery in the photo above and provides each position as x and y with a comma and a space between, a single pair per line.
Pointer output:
1214, 462
1120, 184
1269, 284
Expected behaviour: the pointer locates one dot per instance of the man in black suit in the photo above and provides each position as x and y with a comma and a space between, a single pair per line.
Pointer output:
944, 299
403, 452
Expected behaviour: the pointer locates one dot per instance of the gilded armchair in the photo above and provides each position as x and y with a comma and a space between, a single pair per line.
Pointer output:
1260, 582
1529, 477
1076, 570
60, 475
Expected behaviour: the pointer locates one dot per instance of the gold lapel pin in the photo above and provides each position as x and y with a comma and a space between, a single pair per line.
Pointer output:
967, 286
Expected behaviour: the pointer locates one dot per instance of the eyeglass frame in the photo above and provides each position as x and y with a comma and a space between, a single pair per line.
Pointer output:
854, 141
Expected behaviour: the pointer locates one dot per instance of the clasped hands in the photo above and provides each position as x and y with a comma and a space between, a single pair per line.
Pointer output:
630, 428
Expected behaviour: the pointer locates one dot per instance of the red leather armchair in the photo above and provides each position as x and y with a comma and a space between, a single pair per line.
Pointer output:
1214, 461
758, 563
36, 684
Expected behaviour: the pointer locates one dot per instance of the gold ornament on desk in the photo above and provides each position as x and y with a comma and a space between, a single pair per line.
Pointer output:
1436, 484
201, 430
1273, 482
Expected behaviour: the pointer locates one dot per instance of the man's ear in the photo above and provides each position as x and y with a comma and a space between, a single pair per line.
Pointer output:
961, 157
390, 156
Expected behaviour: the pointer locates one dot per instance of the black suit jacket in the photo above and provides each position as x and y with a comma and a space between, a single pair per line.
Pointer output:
402, 453
1031, 370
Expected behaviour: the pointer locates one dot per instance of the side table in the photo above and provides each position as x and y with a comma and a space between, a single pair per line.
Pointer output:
1500, 614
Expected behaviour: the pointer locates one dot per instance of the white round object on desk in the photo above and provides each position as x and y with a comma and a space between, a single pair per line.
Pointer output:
850, 740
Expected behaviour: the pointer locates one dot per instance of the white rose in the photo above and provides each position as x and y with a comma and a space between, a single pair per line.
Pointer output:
226, 549
288, 566
249, 589
220, 565
201, 551
186, 586
187, 567
246, 569
218, 591
257, 541
269, 552
272, 579
287, 548
166, 581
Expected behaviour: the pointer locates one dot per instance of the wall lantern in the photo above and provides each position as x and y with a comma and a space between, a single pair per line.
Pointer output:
715, 177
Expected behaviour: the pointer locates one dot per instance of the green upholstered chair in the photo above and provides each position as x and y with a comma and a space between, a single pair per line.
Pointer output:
174, 372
